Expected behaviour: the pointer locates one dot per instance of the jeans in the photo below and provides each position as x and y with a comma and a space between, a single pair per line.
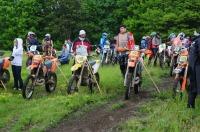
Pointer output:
17, 76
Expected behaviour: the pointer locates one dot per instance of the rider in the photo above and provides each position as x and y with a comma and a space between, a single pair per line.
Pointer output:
81, 45
156, 41
47, 44
103, 42
150, 46
184, 41
144, 43
33, 40
194, 70
124, 41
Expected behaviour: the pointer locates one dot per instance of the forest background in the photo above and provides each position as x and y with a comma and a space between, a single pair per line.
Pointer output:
64, 18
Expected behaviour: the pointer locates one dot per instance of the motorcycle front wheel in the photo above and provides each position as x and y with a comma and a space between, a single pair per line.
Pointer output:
51, 83
128, 86
72, 87
177, 92
28, 87
28, 61
5, 76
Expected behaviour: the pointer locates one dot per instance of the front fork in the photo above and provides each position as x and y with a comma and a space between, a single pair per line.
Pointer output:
184, 78
36, 75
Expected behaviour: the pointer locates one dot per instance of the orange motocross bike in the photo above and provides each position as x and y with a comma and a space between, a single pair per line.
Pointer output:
4, 73
133, 76
181, 79
41, 73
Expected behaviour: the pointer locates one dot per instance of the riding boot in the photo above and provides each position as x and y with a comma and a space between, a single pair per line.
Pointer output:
191, 99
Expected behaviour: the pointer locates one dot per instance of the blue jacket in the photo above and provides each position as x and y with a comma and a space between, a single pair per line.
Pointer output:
144, 44
64, 56
102, 43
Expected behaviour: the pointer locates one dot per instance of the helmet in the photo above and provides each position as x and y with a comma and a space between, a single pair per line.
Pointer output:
31, 33
196, 33
82, 32
144, 37
48, 35
104, 35
172, 36
153, 34
182, 35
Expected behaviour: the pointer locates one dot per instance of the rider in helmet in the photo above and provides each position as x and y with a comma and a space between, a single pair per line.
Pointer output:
103, 41
30, 35
47, 44
184, 41
144, 43
33, 40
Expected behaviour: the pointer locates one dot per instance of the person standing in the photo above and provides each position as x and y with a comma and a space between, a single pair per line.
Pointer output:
124, 41
81, 45
194, 70
16, 59
156, 41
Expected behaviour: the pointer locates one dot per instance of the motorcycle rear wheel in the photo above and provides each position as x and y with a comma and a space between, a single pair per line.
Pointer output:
93, 85
28, 87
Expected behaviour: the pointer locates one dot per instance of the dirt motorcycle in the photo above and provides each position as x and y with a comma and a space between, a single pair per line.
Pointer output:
4, 72
85, 73
32, 51
133, 75
181, 79
174, 57
41, 73
107, 54
164, 56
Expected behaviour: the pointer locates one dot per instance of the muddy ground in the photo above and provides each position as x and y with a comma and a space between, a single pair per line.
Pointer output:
103, 119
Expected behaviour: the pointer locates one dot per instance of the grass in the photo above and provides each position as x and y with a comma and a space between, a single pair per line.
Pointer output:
163, 113
46, 110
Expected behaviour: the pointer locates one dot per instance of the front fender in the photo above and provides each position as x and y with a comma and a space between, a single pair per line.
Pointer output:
76, 66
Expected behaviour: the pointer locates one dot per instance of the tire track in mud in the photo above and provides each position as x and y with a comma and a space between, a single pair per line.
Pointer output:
101, 119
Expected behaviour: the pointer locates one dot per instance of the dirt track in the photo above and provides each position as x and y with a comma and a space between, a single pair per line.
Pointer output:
102, 119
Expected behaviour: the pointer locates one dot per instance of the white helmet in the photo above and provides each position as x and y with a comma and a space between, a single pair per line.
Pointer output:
144, 37
29, 33
82, 32
48, 35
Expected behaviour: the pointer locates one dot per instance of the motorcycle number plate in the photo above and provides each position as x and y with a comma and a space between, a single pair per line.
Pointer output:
37, 57
183, 58
33, 48
177, 48
106, 46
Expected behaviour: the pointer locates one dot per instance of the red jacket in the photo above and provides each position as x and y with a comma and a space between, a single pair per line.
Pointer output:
79, 42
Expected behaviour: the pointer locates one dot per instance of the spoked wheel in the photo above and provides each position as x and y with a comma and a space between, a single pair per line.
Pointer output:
28, 61
128, 86
93, 84
28, 88
177, 88
72, 87
103, 60
5, 76
51, 83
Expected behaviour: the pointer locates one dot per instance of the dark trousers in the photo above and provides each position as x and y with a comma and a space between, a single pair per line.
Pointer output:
123, 60
17, 76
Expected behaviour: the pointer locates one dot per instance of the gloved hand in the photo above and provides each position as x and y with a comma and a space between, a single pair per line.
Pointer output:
11, 58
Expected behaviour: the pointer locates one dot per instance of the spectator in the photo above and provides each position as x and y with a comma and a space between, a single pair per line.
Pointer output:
64, 57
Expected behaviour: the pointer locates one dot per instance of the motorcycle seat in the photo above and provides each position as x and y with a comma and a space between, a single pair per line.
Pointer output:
92, 63
48, 64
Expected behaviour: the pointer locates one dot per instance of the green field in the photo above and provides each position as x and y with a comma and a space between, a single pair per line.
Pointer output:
45, 110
